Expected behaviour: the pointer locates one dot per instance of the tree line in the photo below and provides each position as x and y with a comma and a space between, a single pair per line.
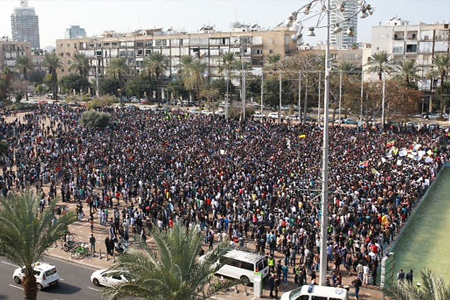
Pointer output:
193, 82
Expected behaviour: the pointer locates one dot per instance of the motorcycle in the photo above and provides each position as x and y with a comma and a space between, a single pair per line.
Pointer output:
121, 248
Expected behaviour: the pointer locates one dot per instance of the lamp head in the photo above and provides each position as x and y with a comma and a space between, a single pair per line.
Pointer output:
337, 29
307, 9
350, 32
311, 32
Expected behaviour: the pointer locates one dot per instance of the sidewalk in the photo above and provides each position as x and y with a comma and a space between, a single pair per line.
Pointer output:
82, 232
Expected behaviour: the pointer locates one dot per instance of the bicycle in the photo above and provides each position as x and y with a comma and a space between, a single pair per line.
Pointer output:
81, 251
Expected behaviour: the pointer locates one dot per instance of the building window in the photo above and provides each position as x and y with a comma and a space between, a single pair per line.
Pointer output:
270, 51
411, 48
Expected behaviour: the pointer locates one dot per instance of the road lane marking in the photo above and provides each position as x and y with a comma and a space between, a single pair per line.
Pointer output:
8, 263
61, 279
94, 289
15, 286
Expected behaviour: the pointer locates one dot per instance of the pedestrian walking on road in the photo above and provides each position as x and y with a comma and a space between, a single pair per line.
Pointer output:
357, 283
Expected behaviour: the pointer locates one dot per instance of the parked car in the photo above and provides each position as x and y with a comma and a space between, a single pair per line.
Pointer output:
350, 121
274, 115
206, 112
108, 278
257, 114
46, 275
145, 101
194, 112
134, 100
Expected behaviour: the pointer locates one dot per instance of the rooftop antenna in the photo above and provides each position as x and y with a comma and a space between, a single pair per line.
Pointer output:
23, 3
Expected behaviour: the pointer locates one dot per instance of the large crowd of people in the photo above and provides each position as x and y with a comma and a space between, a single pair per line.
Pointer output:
250, 182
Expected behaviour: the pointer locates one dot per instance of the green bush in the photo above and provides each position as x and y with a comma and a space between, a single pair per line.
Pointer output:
94, 119
101, 102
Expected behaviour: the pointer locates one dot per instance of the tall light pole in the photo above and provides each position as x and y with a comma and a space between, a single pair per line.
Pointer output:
97, 68
281, 97
382, 99
242, 43
324, 200
262, 92
318, 98
299, 96
340, 94
324, 6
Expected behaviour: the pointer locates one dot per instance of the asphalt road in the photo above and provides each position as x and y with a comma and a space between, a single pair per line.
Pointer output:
75, 283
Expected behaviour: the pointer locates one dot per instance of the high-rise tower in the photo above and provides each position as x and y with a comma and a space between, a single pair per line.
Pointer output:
344, 16
25, 25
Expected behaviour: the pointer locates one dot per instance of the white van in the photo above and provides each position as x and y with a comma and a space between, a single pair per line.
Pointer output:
316, 292
242, 265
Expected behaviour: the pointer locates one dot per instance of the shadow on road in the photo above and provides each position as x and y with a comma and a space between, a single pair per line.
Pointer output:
63, 289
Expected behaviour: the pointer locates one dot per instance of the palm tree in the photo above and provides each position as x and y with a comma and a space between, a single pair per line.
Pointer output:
173, 272
228, 64
380, 63
346, 68
273, 61
6, 78
433, 288
26, 233
23, 64
192, 72
442, 63
52, 63
408, 70
156, 64
81, 64
117, 68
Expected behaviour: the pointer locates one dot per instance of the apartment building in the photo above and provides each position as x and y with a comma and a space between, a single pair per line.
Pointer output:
25, 25
402, 40
346, 19
10, 51
249, 42
75, 32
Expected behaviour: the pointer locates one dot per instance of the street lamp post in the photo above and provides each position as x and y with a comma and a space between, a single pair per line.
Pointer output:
324, 7
97, 68
299, 96
281, 97
383, 100
323, 203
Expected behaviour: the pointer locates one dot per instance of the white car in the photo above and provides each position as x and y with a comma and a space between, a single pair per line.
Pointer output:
258, 114
108, 278
274, 115
46, 275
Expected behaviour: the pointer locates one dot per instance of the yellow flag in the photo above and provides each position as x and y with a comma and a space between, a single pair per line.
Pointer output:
302, 136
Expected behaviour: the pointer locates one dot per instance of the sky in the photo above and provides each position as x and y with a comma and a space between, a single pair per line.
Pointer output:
96, 16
